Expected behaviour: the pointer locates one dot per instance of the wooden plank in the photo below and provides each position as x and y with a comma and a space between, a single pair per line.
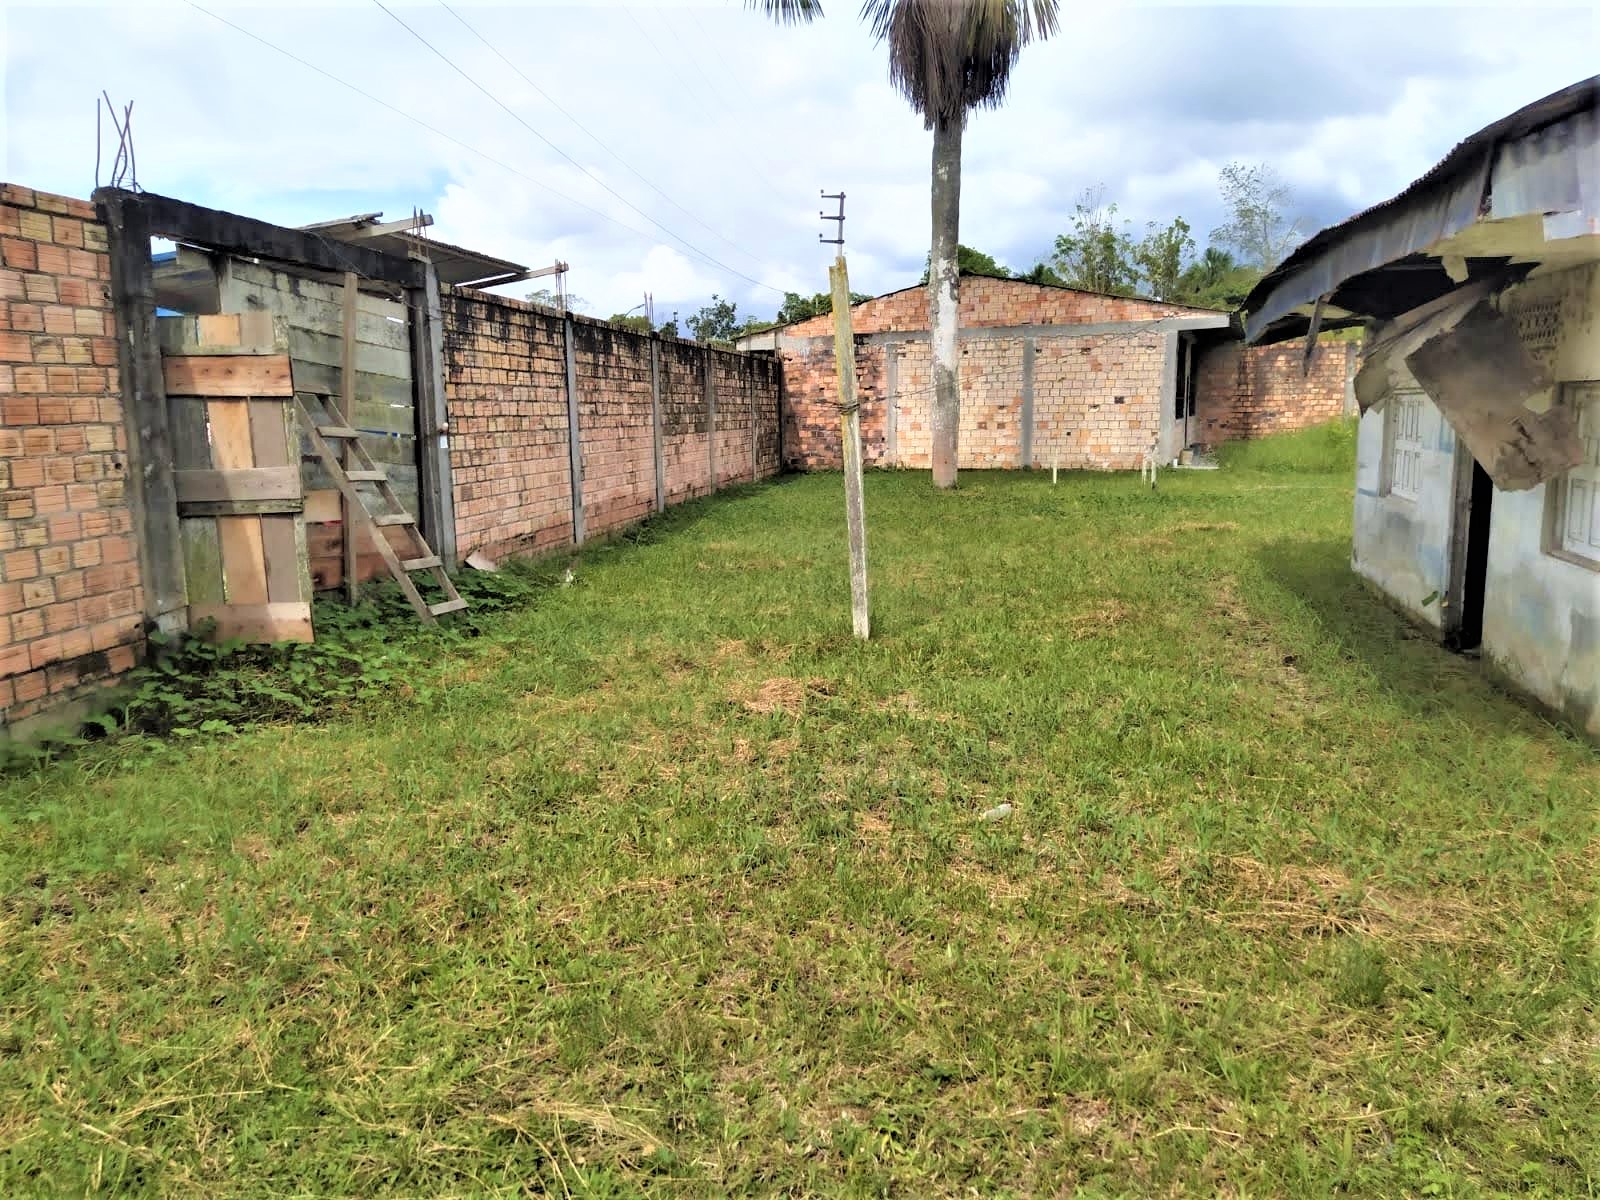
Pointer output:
238, 508
347, 406
244, 570
394, 519
144, 403
202, 560
223, 333
228, 375
382, 402
435, 498
283, 558
263, 622
322, 505
181, 221
269, 433
325, 546
197, 535
250, 483
421, 564
314, 348
312, 307
244, 566
447, 606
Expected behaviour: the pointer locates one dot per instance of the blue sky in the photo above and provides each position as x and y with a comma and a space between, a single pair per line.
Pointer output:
715, 131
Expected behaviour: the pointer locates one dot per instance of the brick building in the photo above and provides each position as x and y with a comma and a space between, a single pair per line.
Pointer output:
1049, 376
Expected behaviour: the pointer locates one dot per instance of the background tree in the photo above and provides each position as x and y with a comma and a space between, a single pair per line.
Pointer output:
1161, 256
1096, 254
970, 262
947, 57
1042, 273
638, 322
717, 321
796, 307
1258, 226
1216, 280
550, 298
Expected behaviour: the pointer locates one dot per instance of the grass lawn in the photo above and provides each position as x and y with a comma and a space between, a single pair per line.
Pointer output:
666, 886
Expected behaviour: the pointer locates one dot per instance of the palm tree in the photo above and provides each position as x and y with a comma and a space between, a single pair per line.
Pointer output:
947, 57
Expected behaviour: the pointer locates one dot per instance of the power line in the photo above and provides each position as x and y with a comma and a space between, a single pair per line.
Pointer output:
690, 246
400, 112
556, 104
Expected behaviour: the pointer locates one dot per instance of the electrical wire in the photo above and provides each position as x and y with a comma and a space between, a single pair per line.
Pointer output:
418, 121
690, 246
597, 140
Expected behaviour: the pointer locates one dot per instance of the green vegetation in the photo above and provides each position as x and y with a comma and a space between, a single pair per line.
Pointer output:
1328, 449
664, 885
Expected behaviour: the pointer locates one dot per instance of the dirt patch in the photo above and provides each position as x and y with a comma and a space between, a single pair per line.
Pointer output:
777, 695
1206, 527
1100, 618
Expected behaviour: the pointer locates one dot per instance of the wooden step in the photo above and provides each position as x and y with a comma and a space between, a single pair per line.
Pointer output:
421, 564
447, 606
338, 431
394, 519
358, 476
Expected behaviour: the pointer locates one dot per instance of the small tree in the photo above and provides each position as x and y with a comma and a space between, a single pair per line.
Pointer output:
1097, 253
550, 298
796, 308
1258, 227
717, 321
1216, 280
635, 321
1161, 257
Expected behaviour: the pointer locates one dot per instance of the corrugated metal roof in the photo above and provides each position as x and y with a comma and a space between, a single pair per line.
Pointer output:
1542, 166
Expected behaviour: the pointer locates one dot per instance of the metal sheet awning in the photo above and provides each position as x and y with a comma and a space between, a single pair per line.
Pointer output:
456, 265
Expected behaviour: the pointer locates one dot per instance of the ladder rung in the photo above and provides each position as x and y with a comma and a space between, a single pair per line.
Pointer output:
394, 519
338, 431
422, 564
447, 606
359, 476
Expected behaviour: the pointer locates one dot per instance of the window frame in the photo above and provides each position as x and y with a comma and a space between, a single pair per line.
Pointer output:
1582, 395
1402, 404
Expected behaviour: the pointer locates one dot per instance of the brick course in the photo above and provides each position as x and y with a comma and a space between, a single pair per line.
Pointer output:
70, 598
505, 389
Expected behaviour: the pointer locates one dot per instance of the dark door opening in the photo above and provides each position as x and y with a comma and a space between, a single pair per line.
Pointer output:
1469, 634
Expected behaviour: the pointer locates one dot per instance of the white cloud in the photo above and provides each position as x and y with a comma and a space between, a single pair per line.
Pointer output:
741, 123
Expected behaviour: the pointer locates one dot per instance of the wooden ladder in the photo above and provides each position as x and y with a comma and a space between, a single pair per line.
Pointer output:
351, 464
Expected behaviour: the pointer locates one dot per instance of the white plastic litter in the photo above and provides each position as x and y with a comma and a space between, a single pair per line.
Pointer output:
998, 813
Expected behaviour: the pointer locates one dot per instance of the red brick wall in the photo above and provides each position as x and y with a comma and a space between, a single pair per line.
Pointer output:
1097, 398
505, 390
505, 393
1245, 392
70, 597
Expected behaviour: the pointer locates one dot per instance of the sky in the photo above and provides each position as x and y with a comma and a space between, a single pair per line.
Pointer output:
680, 148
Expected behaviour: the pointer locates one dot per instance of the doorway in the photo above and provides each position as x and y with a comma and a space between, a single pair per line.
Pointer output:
1467, 636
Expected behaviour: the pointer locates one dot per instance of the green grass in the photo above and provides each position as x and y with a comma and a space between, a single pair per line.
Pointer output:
666, 886
1327, 449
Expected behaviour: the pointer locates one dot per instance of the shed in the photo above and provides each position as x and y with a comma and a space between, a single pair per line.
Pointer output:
1477, 507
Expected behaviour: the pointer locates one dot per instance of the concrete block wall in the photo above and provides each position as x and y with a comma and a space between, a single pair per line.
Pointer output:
506, 397
1097, 401
1245, 392
70, 598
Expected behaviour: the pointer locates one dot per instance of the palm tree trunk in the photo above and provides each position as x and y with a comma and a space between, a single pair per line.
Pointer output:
944, 283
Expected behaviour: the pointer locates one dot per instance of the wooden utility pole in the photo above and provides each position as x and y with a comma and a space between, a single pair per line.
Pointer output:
844, 353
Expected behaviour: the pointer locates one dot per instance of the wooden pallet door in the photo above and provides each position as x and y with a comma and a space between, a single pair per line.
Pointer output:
240, 500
